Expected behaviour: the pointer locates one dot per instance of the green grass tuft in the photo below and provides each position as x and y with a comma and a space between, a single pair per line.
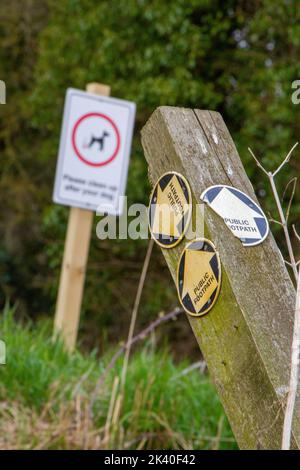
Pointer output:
161, 408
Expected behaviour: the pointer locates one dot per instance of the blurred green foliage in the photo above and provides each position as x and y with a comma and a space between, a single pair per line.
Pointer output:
237, 57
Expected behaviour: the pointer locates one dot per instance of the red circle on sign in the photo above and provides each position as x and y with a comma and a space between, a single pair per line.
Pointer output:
111, 122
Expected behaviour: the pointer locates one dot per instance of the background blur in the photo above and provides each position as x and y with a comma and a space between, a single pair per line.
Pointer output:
237, 57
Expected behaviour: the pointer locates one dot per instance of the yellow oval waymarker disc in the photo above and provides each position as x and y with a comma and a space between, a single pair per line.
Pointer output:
170, 209
198, 276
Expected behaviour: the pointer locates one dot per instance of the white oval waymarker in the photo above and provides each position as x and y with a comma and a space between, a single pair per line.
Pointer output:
240, 213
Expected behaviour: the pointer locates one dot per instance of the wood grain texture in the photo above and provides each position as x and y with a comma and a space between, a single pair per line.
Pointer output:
246, 338
98, 88
72, 276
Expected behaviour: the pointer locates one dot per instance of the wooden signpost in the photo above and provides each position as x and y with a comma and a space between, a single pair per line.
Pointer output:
75, 258
246, 337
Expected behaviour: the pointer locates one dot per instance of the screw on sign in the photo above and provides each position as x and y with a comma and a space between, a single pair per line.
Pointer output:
96, 139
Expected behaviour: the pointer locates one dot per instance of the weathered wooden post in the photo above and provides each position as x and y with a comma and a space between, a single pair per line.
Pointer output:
246, 337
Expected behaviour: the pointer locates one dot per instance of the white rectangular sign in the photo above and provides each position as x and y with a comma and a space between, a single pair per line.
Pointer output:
94, 152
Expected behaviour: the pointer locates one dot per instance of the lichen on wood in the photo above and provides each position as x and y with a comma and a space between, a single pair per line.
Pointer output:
246, 337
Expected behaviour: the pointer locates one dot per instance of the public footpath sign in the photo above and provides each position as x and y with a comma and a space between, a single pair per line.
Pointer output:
170, 209
94, 152
240, 213
198, 276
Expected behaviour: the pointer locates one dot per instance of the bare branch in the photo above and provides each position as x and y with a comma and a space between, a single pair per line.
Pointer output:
140, 336
288, 263
294, 375
258, 162
284, 226
294, 183
294, 369
296, 233
135, 309
286, 160
272, 220
196, 365
275, 221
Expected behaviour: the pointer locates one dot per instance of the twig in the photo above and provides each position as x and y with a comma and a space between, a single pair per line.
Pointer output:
258, 162
110, 410
201, 365
274, 221
286, 160
294, 374
288, 418
135, 310
294, 183
296, 233
141, 335
217, 440
294, 368
81, 380
284, 227
282, 217
120, 397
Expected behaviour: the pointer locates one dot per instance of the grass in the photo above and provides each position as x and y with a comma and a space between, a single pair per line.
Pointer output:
45, 398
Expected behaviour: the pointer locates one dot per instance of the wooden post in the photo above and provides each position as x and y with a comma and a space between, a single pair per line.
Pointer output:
246, 338
75, 257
